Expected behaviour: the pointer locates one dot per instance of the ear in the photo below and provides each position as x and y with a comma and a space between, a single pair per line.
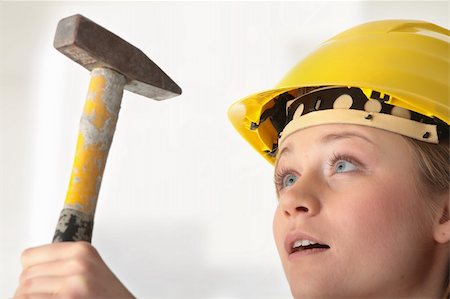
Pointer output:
441, 231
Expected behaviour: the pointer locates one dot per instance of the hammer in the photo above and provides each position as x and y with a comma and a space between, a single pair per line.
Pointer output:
115, 65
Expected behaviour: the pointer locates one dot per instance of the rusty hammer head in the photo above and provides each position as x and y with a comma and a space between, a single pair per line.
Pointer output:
93, 46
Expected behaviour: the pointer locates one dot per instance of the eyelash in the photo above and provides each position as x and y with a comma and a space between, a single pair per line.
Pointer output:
336, 157
281, 173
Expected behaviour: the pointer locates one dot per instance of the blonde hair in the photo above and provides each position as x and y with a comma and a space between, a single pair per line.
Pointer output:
433, 165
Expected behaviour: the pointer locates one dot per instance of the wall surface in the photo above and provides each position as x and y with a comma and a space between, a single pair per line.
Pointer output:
185, 208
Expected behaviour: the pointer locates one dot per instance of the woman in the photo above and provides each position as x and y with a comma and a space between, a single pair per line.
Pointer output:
358, 134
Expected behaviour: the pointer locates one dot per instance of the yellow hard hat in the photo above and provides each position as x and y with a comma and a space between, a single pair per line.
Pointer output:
400, 67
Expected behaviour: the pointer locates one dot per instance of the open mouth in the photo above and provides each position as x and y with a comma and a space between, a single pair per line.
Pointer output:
298, 243
304, 245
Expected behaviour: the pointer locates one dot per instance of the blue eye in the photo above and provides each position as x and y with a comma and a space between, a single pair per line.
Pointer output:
344, 166
284, 178
289, 180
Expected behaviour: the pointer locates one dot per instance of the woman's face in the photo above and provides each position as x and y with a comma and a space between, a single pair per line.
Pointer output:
352, 190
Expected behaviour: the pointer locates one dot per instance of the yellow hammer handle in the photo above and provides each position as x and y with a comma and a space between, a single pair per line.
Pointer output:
97, 127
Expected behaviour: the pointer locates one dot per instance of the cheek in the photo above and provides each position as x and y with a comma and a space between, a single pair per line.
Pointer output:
385, 214
279, 227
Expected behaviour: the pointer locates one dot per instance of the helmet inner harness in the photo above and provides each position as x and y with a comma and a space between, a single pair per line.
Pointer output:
347, 105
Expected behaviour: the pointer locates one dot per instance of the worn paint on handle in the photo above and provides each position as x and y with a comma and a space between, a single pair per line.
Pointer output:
97, 127
73, 225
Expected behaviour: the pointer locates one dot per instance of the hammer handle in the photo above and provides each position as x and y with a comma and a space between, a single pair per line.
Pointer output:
97, 127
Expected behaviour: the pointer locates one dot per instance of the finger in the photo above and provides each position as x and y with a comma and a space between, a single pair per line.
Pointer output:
57, 251
57, 268
47, 285
36, 296
74, 286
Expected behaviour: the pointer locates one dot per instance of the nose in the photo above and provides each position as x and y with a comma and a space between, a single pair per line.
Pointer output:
302, 198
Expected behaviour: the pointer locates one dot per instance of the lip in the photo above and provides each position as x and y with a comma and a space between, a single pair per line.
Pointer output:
293, 236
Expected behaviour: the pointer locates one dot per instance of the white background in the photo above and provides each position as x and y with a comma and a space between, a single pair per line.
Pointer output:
186, 206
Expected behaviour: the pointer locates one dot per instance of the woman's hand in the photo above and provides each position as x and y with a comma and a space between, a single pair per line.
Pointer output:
68, 270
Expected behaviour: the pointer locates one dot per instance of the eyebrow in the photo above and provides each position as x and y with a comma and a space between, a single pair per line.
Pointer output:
345, 135
327, 139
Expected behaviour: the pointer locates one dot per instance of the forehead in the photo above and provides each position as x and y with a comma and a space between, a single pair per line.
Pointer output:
331, 133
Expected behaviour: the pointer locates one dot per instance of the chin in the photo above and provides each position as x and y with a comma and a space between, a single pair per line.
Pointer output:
304, 294
316, 289
313, 287
308, 288
308, 293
